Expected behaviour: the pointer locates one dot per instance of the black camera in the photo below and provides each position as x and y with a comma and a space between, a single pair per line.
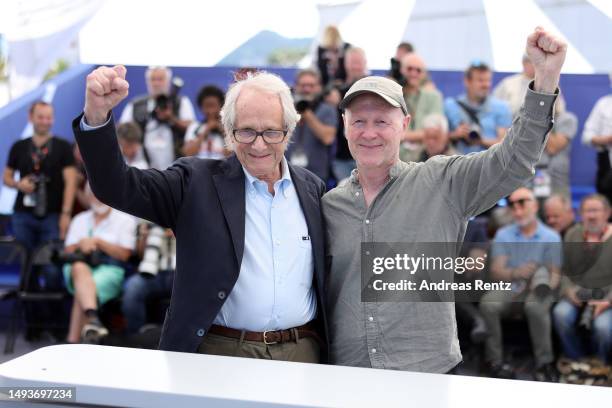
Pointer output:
474, 134
92, 259
585, 294
585, 321
303, 103
396, 73
171, 101
40, 194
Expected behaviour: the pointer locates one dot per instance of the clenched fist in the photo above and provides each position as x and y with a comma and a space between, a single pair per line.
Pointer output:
105, 88
547, 54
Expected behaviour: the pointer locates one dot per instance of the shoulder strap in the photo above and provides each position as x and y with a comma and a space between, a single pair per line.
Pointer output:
471, 112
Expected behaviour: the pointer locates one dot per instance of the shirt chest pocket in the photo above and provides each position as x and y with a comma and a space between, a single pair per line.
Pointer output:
304, 241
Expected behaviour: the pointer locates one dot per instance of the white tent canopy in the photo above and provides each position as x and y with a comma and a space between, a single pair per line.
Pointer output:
448, 34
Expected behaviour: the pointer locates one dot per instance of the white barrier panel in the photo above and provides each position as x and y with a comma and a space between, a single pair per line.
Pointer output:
116, 376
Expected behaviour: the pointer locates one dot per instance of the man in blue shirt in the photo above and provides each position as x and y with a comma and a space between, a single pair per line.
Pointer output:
528, 254
476, 119
250, 263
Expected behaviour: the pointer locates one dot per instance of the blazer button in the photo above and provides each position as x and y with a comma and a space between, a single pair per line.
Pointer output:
221, 294
200, 332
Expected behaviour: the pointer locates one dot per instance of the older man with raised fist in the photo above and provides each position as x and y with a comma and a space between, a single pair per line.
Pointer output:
250, 261
389, 201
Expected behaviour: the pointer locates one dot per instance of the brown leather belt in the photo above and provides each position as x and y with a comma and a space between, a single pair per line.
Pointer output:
269, 336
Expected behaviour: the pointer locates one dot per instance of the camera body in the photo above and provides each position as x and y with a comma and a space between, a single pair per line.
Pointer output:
92, 259
585, 321
474, 135
170, 101
39, 195
303, 102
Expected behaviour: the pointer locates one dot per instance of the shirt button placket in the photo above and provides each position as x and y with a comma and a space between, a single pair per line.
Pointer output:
373, 337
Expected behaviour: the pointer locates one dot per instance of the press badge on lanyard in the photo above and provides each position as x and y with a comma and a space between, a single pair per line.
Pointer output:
541, 183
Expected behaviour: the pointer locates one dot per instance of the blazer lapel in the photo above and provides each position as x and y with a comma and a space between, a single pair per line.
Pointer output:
230, 189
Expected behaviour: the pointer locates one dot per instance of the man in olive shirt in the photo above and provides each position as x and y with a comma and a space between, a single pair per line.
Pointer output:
387, 200
421, 100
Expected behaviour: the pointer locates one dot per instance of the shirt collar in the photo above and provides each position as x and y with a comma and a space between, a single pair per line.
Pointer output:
284, 181
518, 233
395, 171
483, 106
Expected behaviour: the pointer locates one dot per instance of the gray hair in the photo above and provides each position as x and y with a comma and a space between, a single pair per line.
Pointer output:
355, 50
152, 68
267, 83
436, 120
564, 200
599, 197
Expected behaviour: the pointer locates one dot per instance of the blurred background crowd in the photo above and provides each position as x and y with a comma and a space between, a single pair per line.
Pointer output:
70, 247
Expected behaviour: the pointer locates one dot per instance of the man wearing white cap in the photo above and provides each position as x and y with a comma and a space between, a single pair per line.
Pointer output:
387, 200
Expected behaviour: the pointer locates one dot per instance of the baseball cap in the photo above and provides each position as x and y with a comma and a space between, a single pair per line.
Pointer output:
386, 88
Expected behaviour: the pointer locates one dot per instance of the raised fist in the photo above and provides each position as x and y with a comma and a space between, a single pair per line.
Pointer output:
547, 54
105, 88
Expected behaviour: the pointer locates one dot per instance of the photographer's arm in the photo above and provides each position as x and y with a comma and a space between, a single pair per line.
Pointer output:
500, 270
180, 124
325, 133
555, 276
113, 250
25, 184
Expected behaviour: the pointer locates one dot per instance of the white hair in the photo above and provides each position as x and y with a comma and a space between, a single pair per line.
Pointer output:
436, 120
152, 68
265, 82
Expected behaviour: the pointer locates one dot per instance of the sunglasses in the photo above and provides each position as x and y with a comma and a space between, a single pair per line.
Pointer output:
418, 70
520, 202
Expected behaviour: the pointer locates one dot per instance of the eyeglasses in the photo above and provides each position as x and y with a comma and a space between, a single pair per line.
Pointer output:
270, 136
520, 202
418, 70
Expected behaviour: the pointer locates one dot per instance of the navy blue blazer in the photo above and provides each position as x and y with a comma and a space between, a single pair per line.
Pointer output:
202, 201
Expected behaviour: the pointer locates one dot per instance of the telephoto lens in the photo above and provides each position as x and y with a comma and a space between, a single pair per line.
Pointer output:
149, 266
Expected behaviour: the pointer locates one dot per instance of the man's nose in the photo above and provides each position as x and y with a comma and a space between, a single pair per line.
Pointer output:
259, 144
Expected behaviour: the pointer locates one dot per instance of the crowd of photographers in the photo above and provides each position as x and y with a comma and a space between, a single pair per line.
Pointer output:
107, 255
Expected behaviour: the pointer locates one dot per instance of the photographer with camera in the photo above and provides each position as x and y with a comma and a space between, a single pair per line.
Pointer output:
156, 247
477, 119
47, 181
420, 100
585, 310
528, 254
98, 242
316, 131
46, 192
395, 72
163, 115
206, 139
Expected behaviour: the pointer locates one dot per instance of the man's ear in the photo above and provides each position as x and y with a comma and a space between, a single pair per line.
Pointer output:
406, 122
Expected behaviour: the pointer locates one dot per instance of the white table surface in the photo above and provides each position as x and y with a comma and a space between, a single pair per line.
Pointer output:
119, 376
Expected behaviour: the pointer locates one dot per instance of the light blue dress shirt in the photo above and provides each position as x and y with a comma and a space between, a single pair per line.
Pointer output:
274, 290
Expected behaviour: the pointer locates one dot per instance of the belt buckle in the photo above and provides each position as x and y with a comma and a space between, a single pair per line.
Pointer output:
265, 340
